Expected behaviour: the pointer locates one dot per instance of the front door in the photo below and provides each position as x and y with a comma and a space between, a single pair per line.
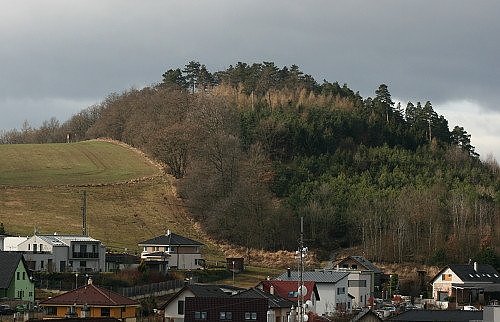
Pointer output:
62, 266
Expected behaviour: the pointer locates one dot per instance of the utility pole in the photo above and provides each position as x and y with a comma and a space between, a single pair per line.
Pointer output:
301, 252
84, 213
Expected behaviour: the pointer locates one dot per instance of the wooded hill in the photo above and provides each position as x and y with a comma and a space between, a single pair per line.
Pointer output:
254, 147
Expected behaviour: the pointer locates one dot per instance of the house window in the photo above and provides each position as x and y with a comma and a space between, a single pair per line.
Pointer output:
34, 248
94, 248
24, 275
251, 316
446, 277
105, 311
51, 310
29, 246
225, 316
83, 264
180, 307
83, 248
41, 264
41, 247
18, 275
200, 315
442, 296
340, 290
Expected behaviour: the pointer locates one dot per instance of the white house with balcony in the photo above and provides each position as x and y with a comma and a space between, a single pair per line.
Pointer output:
64, 253
172, 251
360, 285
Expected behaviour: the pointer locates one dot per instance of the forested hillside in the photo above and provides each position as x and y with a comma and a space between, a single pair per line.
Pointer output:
254, 147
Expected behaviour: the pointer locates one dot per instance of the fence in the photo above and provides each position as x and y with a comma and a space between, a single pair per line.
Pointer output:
154, 289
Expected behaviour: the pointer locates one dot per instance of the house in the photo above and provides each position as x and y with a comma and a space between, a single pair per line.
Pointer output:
10, 243
232, 309
64, 253
361, 263
15, 278
171, 251
289, 290
332, 289
91, 301
466, 283
279, 308
439, 315
174, 308
359, 285
116, 262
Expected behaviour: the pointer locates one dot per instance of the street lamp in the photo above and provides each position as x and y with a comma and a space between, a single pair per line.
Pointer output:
76, 280
233, 273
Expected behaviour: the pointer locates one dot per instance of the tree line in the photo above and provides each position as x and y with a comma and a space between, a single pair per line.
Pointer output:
254, 147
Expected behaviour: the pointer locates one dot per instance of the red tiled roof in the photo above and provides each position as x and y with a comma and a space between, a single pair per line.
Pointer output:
283, 289
90, 294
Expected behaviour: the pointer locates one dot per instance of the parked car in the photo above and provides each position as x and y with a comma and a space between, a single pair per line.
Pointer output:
6, 310
470, 308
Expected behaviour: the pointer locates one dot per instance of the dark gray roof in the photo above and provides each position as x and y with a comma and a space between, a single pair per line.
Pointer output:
8, 265
439, 315
171, 240
366, 263
204, 290
366, 313
485, 273
318, 277
275, 301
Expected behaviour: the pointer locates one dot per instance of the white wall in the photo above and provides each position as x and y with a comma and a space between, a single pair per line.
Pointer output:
171, 308
329, 297
10, 244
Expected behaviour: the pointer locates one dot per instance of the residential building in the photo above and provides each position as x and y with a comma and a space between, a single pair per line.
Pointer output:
91, 301
226, 309
10, 243
172, 251
332, 289
64, 253
174, 308
359, 285
290, 291
15, 278
116, 262
438, 316
279, 308
466, 283
361, 263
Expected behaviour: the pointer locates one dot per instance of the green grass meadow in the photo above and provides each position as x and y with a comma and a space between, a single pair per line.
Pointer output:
82, 163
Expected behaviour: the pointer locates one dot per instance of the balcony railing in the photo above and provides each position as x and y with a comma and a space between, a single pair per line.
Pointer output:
85, 255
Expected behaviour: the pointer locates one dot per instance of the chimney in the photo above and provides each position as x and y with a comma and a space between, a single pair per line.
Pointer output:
271, 290
475, 266
168, 232
289, 272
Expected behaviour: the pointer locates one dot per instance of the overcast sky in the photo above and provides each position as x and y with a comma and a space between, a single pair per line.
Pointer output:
58, 57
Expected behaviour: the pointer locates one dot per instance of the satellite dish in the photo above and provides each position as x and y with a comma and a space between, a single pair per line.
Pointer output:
302, 290
306, 318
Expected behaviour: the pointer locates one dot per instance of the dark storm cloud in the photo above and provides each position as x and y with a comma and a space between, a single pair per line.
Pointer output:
83, 50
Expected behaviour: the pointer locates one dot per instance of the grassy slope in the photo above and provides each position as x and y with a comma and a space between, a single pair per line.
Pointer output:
88, 162
120, 215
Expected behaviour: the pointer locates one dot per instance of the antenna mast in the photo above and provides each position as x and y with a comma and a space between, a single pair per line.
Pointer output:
84, 213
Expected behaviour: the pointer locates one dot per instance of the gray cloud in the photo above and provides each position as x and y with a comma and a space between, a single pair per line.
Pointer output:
80, 51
